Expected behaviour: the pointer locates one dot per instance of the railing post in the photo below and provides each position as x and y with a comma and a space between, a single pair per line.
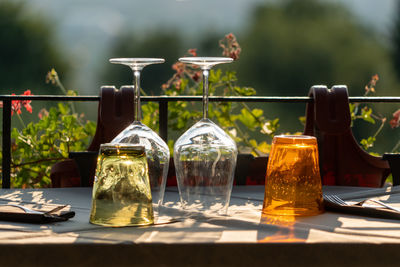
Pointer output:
6, 162
163, 119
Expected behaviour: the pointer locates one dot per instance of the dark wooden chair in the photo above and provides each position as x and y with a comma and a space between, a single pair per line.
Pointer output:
115, 113
342, 160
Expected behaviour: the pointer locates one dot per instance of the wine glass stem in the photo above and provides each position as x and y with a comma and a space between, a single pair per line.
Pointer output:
136, 74
206, 73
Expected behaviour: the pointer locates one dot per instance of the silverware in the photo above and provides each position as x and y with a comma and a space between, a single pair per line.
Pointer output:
380, 203
338, 200
31, 211
336, 204
335, 199
27, 210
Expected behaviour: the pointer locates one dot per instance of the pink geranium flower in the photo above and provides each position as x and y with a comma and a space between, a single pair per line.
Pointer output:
16, 105
395, 121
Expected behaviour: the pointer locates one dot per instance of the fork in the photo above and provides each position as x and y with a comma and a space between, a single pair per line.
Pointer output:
27, 210
337, 200
336, 204
31, 211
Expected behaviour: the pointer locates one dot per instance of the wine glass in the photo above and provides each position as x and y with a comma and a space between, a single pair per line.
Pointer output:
157, 151
205, 156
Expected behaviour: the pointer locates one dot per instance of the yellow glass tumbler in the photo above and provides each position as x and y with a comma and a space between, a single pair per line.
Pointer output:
293, 183
121, 189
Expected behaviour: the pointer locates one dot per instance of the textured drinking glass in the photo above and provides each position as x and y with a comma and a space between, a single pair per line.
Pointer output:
121, 190
293, 182
205, 156
157, 151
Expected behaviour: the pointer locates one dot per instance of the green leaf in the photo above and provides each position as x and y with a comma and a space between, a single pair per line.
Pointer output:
247, 119
245, 91
72, 93
352, 107
62, 108
215, 76
257, 112
14, 133
302, 120
366, 115
184, 84
264, 147
230, 76
253, 143
367, 143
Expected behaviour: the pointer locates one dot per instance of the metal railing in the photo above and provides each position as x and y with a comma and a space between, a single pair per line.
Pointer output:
163, 112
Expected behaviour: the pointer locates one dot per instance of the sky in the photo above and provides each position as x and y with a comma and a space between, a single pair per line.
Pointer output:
85, 28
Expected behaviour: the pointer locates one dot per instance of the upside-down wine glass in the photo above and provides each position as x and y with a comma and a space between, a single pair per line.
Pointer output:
205, 156
157, 151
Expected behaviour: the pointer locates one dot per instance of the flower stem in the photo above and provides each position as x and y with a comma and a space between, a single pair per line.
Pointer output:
61, 86
379, 129
396, 147
21, 121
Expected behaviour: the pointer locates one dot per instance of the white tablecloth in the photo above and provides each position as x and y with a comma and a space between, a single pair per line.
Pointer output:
183, 238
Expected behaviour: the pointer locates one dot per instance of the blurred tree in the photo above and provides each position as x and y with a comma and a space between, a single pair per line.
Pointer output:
163, 44
209, 45
290, 47
293, 45
27, 50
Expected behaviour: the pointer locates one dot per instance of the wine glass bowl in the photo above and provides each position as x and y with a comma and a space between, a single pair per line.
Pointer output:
205, 159
205, 156
157, 151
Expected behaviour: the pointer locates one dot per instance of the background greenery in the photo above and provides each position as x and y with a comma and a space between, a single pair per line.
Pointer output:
28, 49
287, 47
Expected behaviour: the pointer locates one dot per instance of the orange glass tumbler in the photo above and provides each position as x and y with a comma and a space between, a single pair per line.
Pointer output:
293, 183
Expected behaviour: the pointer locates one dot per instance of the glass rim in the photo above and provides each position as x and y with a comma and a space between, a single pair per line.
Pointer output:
135, 147
294, 139
294, 136
136, 60
205, 60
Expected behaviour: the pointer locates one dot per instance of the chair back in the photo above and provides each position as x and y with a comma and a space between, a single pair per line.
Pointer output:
342, 160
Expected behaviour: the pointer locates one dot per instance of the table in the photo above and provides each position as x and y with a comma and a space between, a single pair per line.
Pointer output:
179, 238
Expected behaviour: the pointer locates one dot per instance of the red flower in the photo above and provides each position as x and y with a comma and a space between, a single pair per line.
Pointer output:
230, 46
177, 84
179, 67
193, 52
164, 86
235, 54
371, 84
375, 78
27, 103
43, 113
17, 104
28, 108
395, 121
196, 76
230, 36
